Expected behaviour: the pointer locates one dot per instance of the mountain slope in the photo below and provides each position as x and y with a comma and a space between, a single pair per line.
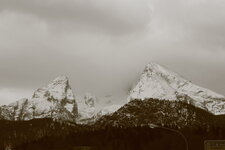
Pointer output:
154, 112
56, 100
89, 110
160, 83
86, 109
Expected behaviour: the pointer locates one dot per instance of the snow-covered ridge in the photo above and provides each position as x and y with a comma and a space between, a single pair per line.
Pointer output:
56, 100
58, 89
159, 82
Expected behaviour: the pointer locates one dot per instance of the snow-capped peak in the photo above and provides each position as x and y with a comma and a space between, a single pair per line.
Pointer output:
159, 82
58, 89
56, 100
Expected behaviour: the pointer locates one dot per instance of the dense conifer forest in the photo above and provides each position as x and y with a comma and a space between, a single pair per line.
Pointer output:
105, 134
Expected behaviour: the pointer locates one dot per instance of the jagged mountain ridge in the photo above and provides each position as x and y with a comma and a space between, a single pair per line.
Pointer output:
56, 100
159, 82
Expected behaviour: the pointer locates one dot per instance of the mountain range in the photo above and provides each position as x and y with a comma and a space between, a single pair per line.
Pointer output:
57, 101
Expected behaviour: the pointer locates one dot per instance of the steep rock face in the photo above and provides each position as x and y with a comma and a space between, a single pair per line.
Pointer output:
58, 89
160, 83
86, 109
54, 101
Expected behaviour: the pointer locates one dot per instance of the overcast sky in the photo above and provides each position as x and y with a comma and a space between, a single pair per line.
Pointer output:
103, 45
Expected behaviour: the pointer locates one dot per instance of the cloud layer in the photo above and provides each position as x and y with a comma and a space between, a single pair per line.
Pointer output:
103, 45
113, 16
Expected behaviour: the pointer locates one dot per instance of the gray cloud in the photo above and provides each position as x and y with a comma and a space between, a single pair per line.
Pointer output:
113, 16
200, 21
103, 45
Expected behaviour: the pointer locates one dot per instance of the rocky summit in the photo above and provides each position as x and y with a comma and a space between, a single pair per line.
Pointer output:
56, 100
158, 82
